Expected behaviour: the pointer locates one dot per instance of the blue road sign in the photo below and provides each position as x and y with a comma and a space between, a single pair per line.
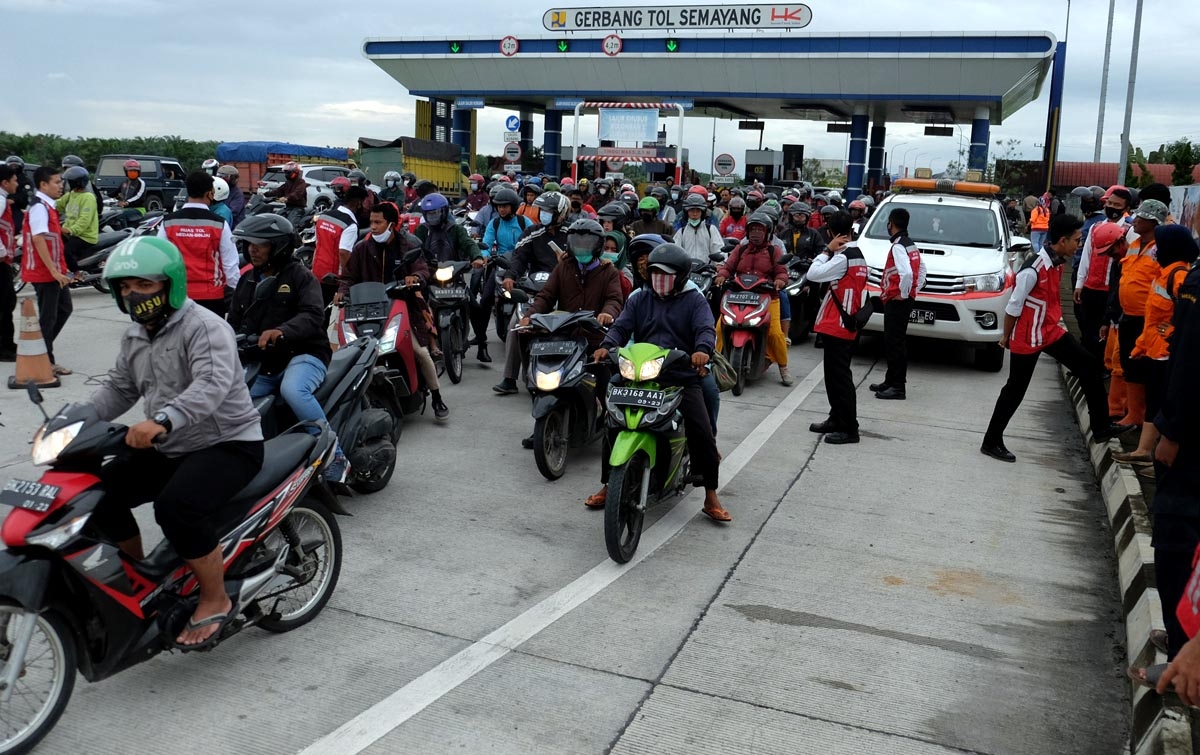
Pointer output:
512, 123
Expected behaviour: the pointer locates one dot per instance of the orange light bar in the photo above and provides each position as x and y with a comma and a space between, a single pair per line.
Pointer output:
945, 185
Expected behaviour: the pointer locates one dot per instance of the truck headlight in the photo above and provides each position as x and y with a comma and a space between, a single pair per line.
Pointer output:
991, 283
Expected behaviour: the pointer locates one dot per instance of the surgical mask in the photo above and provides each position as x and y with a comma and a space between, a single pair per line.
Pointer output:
583, 256
694, 222
146, 309
391, 183
382, 238
1113, 213
611, 257
434, 217
474, 186
602, 191
662, 283
674, 195
545, 217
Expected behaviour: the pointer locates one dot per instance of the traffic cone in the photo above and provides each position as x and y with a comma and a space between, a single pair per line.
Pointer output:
33, 362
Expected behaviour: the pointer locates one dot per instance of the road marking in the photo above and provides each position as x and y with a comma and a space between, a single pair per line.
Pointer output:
376, 722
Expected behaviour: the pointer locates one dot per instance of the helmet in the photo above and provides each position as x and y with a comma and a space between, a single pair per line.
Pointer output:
14, 160
772, 209
628, 187
130, 165
866, 200
424, 187
640, 246
834, 197
699, 190
340, 186
391, 179
799, 208
567, 182
1097, 191
357, 177
551, 186
552, 201
772, 197
586, 233
660, 194
630, 198
71, 161
737, 203
408, 177
268, 228
534, 181
151, 258
473, 178
505, 195
829, 210
536, 189
648, 203
229, 173
763, 219
614, 211
220, 190
712, 198
291, 169
1081, 192
671, 258
76, 176
210, 166
858, 205
694, 202
787, 200
433, 206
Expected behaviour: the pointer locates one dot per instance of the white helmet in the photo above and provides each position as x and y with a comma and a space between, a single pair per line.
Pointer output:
220, 190
210, 166
834, 196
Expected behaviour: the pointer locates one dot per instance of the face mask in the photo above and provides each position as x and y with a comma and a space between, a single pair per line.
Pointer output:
736, 214
693, 222
434, 217
576, 206
674, 195
602, 191
1113, 213
583, 256
474, 187
662, 283
146, 309
545, 217
610, 257
382, 238
391, 183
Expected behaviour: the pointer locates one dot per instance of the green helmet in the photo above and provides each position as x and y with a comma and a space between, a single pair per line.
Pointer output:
151, 258
648, 203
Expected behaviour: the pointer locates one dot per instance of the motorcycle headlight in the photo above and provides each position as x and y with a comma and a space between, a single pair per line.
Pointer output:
548, 381
729, 319
651, 369
47, 446
444, 274
626, 368
60, 534
387, 344
990, 283
754, 321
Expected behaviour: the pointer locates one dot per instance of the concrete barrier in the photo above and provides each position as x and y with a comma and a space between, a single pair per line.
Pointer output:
1155, 728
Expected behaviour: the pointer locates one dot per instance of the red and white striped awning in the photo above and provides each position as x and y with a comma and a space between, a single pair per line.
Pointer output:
619, 159
633, 105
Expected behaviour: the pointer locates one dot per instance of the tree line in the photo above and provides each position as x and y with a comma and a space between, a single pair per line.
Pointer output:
49, 149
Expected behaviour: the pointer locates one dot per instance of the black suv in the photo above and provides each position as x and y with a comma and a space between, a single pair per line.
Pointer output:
164, 177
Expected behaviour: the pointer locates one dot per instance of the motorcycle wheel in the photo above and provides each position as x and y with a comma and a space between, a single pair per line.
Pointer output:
622, 518
550, 445
46, 681
102, 286
735, 358
377, 482
313, 528
454, 354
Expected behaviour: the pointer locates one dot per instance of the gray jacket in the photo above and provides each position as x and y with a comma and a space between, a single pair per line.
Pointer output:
190, 370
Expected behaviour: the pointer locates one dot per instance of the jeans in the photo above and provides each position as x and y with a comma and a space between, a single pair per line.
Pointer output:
712, 399
296, 385
1037, 238
785, 307
54, 309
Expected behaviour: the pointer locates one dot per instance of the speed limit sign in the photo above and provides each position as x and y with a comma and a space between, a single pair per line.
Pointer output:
612, 45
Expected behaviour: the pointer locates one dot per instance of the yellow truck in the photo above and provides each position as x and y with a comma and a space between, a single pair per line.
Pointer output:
433, 161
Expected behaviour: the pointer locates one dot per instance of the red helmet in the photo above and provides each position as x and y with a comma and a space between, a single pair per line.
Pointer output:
476, 178
291, 169
699, 191
858, 205
340, 186
133, 165
506, 179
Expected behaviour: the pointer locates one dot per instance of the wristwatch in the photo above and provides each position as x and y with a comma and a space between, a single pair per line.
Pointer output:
161, 418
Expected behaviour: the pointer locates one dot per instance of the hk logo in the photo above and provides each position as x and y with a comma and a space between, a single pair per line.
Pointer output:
558, 19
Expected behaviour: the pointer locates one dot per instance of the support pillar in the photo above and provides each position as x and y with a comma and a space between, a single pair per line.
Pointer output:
460, 134
875, 161
526, 132
552, 143
977, 158
1054, 115
856, 167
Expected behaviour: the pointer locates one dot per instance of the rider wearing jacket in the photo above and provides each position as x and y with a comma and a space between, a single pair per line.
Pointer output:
533, 253
237, 198
201, 442
698, 238
478, 197
445, 241
800, 239
506, 227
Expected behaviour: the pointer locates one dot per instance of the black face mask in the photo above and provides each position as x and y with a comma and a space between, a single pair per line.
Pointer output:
1113, 213
576, 205
647, 216
147, 309
736, 214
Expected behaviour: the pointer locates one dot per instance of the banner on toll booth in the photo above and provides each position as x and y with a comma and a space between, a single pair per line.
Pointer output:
621, 125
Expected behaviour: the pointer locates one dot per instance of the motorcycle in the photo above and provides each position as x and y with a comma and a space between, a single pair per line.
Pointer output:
804, 299
450, 301
120, 218
508, 307
649, 460
746, 319
566, 410
368, 435
466, 218
73, 601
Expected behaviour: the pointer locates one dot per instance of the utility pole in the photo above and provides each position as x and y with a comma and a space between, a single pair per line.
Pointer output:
1123, 162
1112, 7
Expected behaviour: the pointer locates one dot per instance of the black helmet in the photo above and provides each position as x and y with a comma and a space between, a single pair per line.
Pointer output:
630, 199
660, 193
800, 208
670, 258
76, 176
614, 211
408, 178
72, 161
536, 189
829, 210
269, 228
505, 195
552, 201
763, 219
424, 188
1081, 192
357, 177
695, 202
586, 233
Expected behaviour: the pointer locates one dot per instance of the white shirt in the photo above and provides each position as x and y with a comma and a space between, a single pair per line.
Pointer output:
1026, 279
350, 233
699, 242
827, 267
903, 266
1085, 257
230, 263
4, 251
39, 216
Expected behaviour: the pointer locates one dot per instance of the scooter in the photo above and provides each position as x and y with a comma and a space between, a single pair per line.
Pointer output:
91, 267
745, 321
566, 410
649, 460
450, 300
73, 601
508, 307
368, 435
804, 299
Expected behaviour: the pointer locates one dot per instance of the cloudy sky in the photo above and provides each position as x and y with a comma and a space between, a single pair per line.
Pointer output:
294, 70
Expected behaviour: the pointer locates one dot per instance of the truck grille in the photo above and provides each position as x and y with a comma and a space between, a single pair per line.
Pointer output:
934, 284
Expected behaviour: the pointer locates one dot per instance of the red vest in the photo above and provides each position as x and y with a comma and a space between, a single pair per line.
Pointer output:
32, 269
848, 289
1039, 325
197, 233
329, 227
1099, 268
891, 275
8, 234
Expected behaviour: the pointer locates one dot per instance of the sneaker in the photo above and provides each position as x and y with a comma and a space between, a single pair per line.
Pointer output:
440, 410
339, 468
785, 377
505, 387
59, 370
891, 393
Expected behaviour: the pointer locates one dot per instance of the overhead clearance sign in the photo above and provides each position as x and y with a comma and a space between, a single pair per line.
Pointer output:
790, 16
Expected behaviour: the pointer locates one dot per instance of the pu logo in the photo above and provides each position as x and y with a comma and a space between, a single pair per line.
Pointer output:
558, 19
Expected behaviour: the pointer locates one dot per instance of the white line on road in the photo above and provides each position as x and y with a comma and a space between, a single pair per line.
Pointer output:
375, 722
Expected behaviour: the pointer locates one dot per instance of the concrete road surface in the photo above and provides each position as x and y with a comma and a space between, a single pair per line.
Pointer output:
905, 595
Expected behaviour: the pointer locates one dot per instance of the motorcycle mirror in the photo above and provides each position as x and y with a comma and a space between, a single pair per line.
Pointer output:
786, 258
265, 288
35, 396
716, 257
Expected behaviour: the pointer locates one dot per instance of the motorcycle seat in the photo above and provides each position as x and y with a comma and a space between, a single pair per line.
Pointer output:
340, 365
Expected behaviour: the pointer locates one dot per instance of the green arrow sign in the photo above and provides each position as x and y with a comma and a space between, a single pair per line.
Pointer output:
455, 47
672, 45
563, 45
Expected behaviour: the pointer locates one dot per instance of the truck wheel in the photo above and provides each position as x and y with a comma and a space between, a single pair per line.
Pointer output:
154, 203
989, 358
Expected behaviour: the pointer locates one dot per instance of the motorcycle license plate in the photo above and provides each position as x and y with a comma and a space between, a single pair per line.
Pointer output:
923, 316
743, 297
552, 348
636, 397
454, 292
29, 494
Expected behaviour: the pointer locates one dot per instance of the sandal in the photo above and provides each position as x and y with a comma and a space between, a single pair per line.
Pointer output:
1147, 676
1158, 638
717, 514
220, 619
596, 500
1134, 458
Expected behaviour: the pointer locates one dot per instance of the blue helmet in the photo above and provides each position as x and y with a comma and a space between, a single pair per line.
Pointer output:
434, 201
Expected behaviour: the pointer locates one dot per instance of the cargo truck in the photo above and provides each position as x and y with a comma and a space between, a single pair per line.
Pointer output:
438, 162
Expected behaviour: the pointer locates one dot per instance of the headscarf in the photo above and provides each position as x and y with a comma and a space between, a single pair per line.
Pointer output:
622, 258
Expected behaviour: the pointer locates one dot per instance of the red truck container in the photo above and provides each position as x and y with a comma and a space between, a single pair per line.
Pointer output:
253, 158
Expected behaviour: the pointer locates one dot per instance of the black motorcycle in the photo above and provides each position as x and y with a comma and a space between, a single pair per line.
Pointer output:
450, 300
509, 308
804, 297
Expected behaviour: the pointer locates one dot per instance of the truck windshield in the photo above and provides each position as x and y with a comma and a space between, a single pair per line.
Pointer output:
942, 224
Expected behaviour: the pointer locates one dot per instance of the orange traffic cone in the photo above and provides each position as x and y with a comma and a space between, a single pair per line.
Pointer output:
33, 363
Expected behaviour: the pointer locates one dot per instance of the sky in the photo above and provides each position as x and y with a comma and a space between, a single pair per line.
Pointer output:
295, 72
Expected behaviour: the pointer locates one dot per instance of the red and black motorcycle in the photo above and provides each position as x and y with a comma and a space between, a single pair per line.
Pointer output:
745, 322
71, 600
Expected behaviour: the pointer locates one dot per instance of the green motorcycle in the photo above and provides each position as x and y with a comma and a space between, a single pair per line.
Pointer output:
649, 457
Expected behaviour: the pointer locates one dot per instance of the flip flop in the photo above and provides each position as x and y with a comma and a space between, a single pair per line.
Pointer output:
220, 619
1147, 676
595, 501
717, 514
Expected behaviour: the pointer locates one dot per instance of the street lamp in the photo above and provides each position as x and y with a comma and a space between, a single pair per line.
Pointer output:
891, 154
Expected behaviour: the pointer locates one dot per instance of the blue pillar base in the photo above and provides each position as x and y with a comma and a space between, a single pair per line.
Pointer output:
875, 161
856, 167
552, 143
